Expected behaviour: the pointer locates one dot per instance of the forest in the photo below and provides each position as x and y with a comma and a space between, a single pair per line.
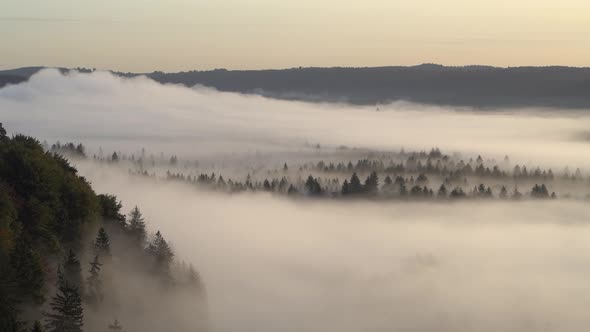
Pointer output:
67, 254
399, 176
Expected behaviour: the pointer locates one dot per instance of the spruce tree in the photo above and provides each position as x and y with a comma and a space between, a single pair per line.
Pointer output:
137, 226
72, 271
37, 327
29, 274
66, 305
355, 185
115, 326
94, 283
102, 245
161, 251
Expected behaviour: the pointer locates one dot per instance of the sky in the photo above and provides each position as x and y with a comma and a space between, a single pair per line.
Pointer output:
174, 35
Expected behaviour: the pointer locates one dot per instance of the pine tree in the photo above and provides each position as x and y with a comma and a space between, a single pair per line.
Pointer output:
72, 272
29, 274
102, 245
355, 185
372, 183
345, 188
194, 278
66, 305
161, 251
37, 327
115, 326
442, 191
137, 226
94, 282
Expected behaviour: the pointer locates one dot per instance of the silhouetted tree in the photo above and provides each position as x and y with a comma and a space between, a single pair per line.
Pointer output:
136, 226
372, 183
115, 326
37, 327
94, 283
161, 251
355, 186
66, 305
102, 245
28, 271
72, 271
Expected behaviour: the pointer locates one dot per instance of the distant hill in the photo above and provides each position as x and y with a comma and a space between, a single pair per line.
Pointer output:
472, 86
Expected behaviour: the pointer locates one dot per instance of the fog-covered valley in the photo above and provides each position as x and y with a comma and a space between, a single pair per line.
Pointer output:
274, 260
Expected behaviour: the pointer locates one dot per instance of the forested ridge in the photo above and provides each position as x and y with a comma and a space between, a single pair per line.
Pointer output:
471, 86
65, 251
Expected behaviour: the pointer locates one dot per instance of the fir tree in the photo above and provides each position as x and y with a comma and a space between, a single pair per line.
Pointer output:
37, 327
66, 305
161, 251
115, 326
94, 283
355, 185
137, 226
345, 188
72, 271
102, 245
372, 183
29, 274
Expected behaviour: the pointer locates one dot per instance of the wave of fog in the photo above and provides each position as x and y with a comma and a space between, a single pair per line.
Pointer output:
271, 264
127, 114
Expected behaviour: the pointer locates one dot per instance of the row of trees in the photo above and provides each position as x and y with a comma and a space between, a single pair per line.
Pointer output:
393, 187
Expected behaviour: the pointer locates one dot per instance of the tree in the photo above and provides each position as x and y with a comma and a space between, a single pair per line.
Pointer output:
355, 186
29, 275
115, 157
102, 245
161, 251
503, 192
137, 226
313, 187
442, 191
115, 326
72, 272
372, 183
345, 188
66, 305
3, 136
94, 282
37, 327
110, 209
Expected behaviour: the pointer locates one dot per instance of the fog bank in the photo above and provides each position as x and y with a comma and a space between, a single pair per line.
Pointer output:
274, 264
126, 114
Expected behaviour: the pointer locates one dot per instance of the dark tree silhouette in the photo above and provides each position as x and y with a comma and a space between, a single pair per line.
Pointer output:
115, 326
161, 251
102, 245
94, 283
66, 305
137, 226
72, 271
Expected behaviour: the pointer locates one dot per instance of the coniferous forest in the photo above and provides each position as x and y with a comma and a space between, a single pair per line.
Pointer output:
70, 256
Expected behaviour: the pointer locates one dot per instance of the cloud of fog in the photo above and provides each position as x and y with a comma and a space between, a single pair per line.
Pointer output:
273, 264
116, 113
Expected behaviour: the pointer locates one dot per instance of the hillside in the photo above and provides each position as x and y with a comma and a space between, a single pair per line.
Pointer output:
470, 86
70, 258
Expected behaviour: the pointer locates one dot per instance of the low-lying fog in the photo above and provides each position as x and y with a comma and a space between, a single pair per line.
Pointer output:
275, 264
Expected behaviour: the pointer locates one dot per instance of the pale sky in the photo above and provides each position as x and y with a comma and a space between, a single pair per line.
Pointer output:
173, 35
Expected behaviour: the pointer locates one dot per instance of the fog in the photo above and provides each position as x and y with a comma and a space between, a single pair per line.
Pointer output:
271, 263
275, 264
127, 114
